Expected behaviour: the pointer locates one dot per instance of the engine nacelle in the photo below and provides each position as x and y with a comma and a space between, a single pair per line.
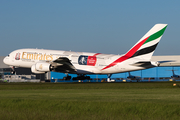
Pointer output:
33, 70
40, 68
43, 67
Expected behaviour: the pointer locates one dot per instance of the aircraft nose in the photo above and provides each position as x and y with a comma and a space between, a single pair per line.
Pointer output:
6, 60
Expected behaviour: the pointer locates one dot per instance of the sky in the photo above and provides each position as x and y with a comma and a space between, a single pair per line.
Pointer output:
98, 26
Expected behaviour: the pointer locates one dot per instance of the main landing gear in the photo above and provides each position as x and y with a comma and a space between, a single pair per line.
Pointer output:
81, 77
67, 77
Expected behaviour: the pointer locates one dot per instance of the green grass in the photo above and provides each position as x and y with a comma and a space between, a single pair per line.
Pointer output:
87, 101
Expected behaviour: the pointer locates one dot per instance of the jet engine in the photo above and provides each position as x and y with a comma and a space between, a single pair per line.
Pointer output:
33, 70
43, 67
40, 68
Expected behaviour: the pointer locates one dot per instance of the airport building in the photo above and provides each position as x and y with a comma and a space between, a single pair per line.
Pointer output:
163, 72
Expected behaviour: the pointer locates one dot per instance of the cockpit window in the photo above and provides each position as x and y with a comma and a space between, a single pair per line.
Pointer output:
8, 55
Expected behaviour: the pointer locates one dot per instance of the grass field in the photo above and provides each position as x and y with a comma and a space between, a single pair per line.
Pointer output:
90, 101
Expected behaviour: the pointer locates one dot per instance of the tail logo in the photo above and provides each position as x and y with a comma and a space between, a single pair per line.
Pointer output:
136, 50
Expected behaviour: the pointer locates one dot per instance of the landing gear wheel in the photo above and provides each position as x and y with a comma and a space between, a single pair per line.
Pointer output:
13, 72
67, 78
81, 77
88, 77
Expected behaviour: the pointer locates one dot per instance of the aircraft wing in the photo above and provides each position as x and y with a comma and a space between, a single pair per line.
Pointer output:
63, 64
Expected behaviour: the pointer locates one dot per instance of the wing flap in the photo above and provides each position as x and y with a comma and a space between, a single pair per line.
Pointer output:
63, 64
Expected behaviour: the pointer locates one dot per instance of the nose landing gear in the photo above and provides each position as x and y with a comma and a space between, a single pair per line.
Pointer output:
13, 70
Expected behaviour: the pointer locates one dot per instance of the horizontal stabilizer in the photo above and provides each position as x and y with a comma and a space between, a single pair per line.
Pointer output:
146, 64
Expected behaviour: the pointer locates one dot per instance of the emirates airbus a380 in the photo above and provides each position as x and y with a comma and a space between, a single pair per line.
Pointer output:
83, 63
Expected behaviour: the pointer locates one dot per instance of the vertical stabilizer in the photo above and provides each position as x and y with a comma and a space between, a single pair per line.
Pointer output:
146, 46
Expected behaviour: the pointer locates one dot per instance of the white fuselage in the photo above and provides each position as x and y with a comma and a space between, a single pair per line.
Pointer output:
137, 58
85, 63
